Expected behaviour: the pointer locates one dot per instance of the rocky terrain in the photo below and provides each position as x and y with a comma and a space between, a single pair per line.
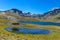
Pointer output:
15, 14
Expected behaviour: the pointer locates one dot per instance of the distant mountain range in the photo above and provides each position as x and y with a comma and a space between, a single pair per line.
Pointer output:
46, 14
51, 13
19, 12
12, 13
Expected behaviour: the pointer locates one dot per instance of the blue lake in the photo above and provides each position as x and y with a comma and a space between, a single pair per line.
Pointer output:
42, 23
30, 31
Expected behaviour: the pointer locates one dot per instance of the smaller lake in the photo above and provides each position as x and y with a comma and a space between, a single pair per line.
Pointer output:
30, 31
42, 23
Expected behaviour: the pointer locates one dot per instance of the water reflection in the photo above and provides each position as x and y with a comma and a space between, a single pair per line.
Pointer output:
30, 31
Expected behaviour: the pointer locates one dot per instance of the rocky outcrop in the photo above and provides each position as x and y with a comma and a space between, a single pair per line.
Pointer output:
51, 13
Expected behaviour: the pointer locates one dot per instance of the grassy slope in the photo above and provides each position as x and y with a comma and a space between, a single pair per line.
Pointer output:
51, 19
54, 35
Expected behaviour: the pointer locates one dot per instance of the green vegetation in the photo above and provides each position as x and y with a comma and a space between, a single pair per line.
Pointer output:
54, 35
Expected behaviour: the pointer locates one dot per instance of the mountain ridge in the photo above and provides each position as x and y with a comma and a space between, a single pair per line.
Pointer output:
14, 10
46, 15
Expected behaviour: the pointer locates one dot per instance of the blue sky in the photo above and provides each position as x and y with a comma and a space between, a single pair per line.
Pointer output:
33, 6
